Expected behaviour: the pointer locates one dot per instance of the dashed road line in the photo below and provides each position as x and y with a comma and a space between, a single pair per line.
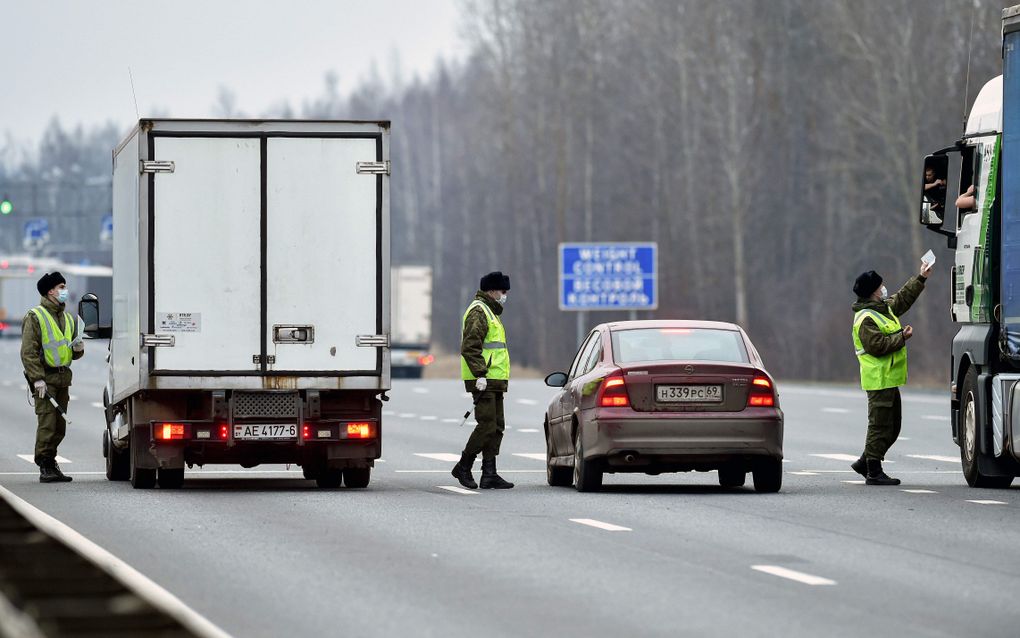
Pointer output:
836, 410
935, 417
445, 457
609, 527
451, 420
527, 401
935, 457
406, 415
420, 390
528, 430
98, 406
501, 471
31, 458
531, 455
804, 473
388, 412
853, 482
987, 502
837, 457
789, 574
429, 418
457, 490
920, 491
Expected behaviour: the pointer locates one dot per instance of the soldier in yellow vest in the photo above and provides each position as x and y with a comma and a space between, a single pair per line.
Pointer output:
880, 342
485, 369
49, 342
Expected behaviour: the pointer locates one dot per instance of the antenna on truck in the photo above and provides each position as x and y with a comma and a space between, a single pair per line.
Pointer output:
970, 42
135, 97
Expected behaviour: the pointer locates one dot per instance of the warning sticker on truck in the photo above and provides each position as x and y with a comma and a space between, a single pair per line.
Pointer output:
179, 322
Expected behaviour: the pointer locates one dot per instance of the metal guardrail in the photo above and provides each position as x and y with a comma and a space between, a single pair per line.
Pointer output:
49, 588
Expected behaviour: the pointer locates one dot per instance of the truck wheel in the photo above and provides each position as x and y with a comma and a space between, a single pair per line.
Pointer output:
587, 474
118, 464
141, 478
329, 477
309, 472
970, 414
170, 479
357, 477
768, 475
557, 476
732, 476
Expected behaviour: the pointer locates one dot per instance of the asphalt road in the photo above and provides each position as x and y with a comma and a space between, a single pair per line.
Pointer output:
262, 552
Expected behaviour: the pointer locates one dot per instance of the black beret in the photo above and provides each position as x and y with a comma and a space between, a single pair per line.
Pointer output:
49, 281
495, 281
867, 283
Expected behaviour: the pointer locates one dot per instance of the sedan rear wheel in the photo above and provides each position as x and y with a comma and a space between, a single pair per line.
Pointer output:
587, 474
768, 475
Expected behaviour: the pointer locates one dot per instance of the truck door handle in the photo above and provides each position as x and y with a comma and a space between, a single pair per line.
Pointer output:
293, 334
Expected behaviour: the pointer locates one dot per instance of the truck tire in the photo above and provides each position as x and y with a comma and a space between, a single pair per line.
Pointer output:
118, 464
357, 477
309, 472
970, 417
329, 477
768, 475
170, 479
141, 478
587, 474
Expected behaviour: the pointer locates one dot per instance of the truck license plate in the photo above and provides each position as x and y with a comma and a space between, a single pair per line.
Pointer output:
688, 393
265, 432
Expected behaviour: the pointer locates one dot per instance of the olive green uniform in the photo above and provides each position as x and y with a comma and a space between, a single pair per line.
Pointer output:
51, 425
488, 434
885, 413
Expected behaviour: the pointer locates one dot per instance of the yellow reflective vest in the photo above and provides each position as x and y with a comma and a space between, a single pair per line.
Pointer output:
494, 350
56, 343
888, 371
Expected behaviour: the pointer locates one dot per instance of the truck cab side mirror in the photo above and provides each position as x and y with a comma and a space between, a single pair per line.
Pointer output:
933, 191
88, 310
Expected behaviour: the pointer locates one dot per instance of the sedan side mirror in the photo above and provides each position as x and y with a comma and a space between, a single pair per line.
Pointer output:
556, 380
88, 310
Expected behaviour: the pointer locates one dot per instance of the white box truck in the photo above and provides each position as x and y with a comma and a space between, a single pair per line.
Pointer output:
412, 321
250, 310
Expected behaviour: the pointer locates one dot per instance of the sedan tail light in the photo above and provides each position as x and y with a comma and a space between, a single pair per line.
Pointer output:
613, 393
762, 394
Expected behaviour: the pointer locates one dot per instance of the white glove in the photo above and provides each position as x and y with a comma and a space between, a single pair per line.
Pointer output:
480, 384
78, 347
40, 388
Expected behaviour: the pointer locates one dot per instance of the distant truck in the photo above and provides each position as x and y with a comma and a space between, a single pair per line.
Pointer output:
412, 321
984, 230
250, 305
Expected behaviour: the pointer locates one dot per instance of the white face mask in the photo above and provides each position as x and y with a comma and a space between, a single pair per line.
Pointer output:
885, 293
502, 300
62, 295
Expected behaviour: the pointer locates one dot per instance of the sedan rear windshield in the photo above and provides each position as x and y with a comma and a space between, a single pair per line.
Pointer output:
678, 344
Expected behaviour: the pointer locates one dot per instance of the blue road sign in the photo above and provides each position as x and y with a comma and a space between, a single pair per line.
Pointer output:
37, 229
106, 228
611, 276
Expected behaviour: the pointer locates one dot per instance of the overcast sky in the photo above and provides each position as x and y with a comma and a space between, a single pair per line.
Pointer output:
70, 58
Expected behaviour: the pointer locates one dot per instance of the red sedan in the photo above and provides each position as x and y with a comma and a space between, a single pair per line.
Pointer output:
665, 396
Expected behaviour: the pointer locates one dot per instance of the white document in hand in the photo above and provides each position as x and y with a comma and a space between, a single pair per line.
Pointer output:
928, 258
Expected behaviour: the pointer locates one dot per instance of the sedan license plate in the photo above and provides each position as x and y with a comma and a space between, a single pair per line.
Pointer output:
265, 432
688, 393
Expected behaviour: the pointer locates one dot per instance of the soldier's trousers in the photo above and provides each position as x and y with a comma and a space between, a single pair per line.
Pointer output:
51, 427
885, 416
488, 434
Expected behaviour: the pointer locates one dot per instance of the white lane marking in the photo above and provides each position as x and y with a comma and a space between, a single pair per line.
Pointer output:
456, 490
527, 401
935, 457
920, 491
804, 473
904, 438
836, 410
8, 384
420, 390
790, 574
987, 502
115, 567
388, 412
853, 482
72, 397
99, 406
452, 420
935, 417
501, 471
406, 415
531, 455
429, 418
837, 457
609, 527
31, 458
528, 430
446, 457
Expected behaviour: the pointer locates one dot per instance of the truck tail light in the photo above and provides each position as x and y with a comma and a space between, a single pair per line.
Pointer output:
306, 431
360, 431
761, 395
613, 393
169, 431
426, 359
224, 432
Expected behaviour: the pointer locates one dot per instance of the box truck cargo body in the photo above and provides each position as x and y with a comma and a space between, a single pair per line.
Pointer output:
412, 320
250, 298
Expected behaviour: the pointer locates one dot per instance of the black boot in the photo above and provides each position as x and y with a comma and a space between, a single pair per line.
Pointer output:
462, 471
860, 466
876, 476
49, 472
491, 480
